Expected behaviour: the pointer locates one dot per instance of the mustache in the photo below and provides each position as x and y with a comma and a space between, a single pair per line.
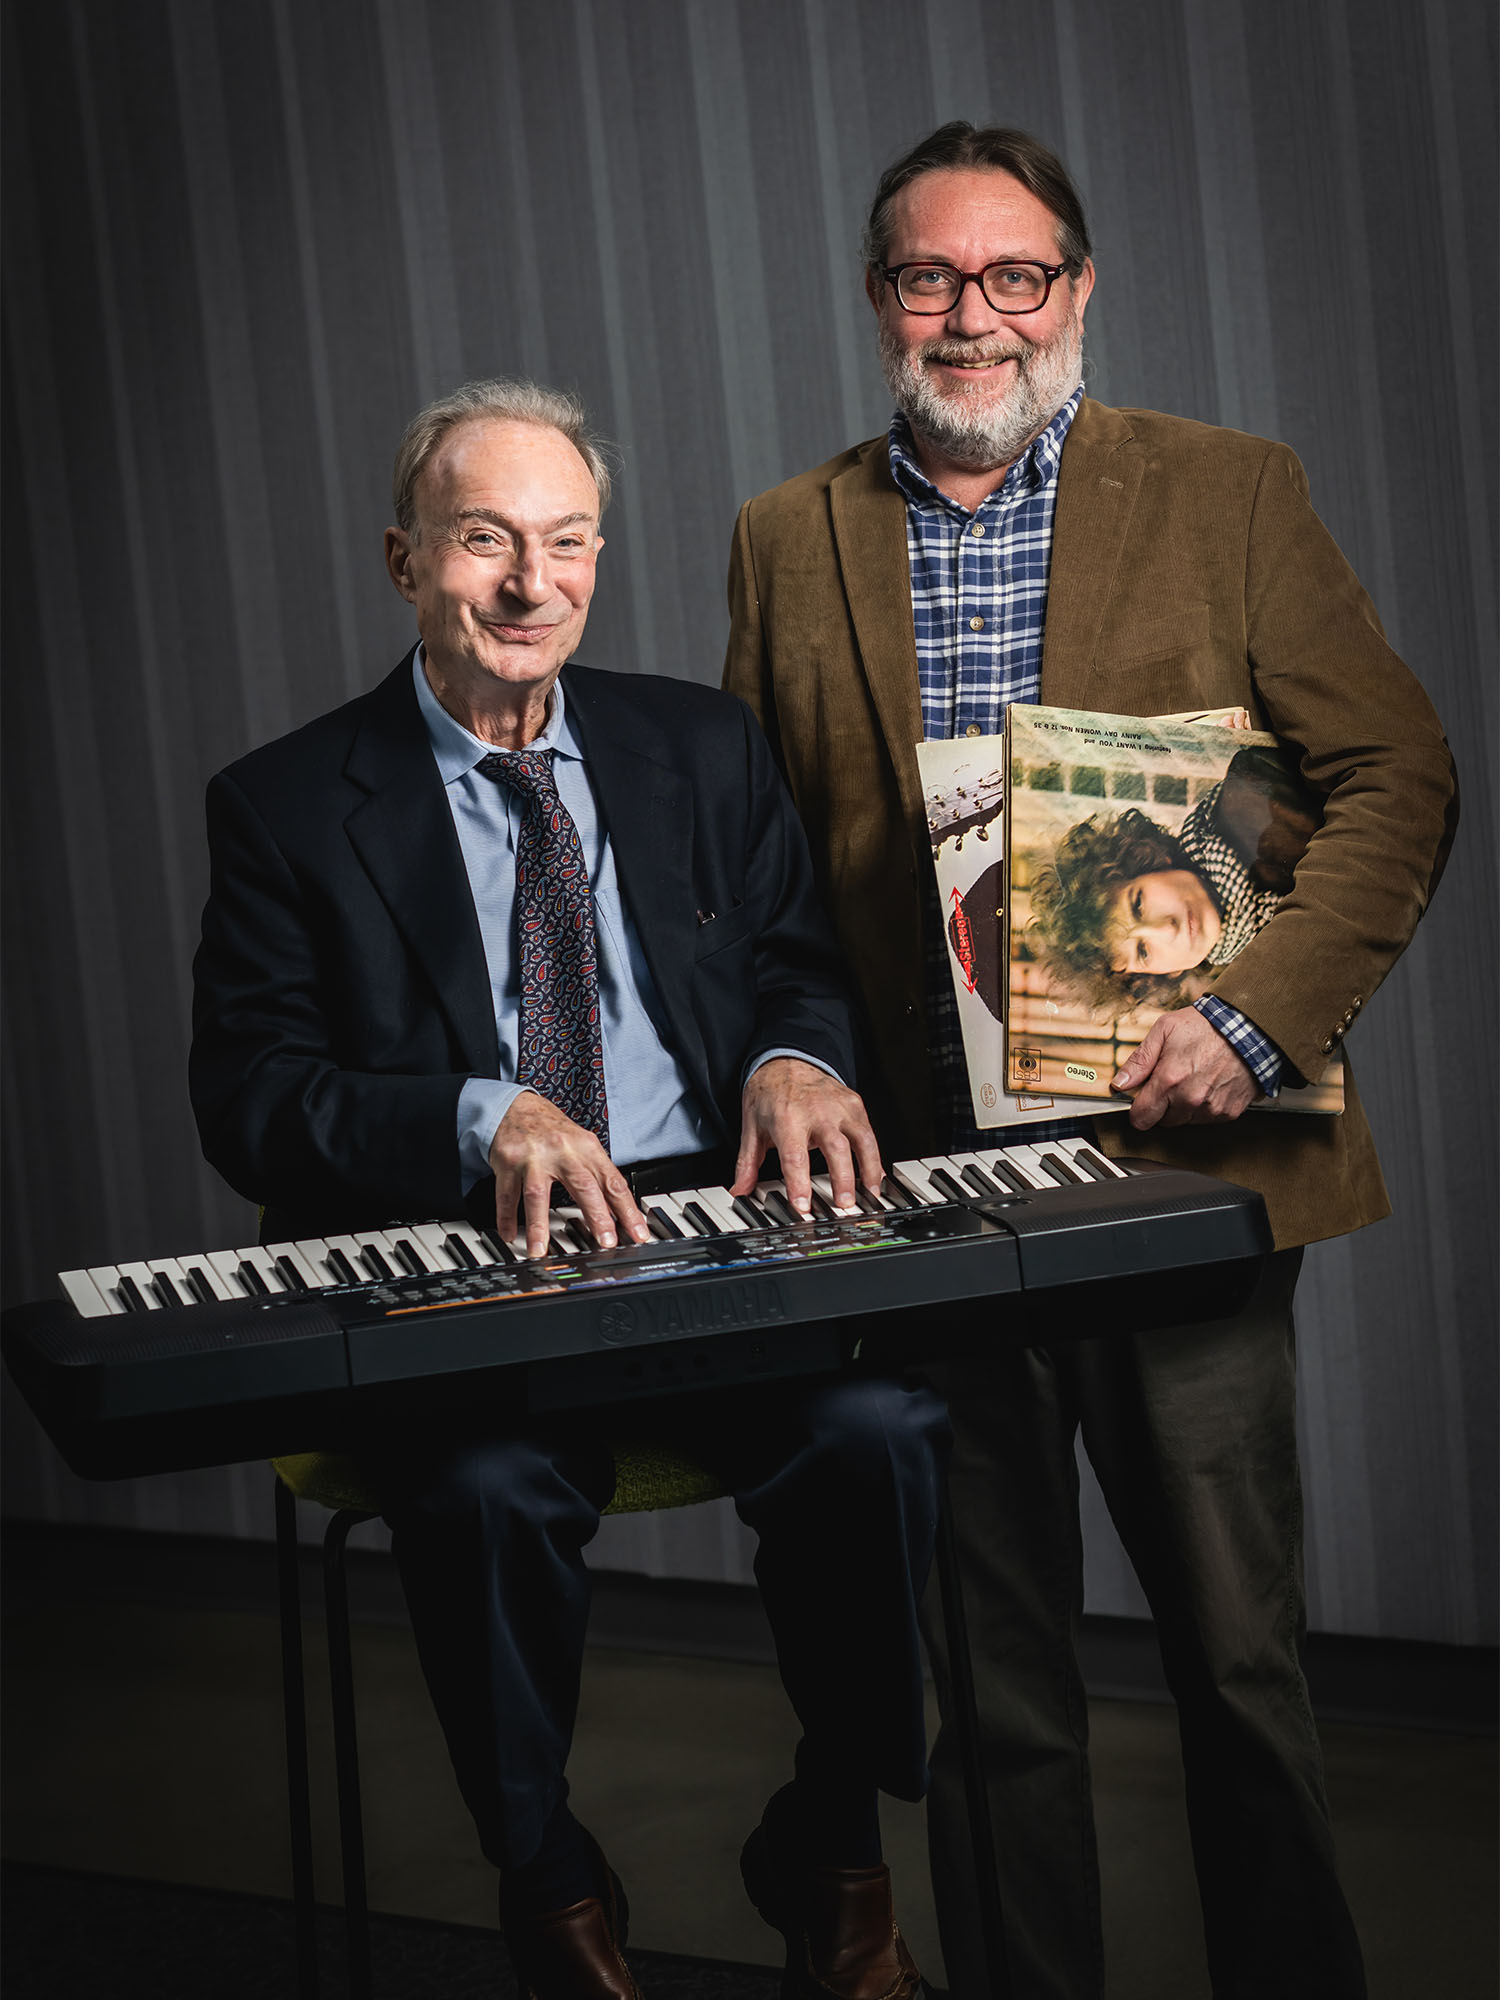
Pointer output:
957, 353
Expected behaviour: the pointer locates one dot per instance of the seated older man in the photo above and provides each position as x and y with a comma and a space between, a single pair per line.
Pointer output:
506, 923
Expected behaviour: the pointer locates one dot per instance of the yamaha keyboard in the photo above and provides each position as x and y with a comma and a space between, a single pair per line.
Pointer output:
204, 1359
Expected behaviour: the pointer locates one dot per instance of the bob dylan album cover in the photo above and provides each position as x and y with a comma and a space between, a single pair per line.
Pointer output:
963, 792
1142, 856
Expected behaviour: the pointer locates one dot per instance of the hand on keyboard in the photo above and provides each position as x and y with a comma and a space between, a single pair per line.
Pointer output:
535, 1145
1185, 1073
794, 1107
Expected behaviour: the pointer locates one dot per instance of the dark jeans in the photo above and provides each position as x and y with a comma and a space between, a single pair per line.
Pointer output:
1191, 1432
840, 1481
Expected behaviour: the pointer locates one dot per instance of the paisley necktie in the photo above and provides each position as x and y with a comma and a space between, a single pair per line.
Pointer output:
560, 1054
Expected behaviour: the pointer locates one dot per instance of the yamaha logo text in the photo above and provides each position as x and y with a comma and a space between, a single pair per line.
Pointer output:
702, 1309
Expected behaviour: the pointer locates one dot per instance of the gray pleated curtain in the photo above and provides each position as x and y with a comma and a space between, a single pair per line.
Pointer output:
245, 240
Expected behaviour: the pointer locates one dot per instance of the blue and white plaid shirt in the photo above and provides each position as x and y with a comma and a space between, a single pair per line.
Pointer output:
979, 604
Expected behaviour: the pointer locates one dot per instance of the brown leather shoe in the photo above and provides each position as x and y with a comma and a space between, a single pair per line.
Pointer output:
840, 1930
574, 1954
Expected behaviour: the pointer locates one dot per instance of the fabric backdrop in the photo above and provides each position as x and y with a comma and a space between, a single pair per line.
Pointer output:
246, 238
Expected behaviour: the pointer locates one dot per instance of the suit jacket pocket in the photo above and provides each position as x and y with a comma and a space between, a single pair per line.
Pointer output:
728, 927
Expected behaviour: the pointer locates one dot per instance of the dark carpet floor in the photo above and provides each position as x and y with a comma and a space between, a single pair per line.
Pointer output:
101, 1937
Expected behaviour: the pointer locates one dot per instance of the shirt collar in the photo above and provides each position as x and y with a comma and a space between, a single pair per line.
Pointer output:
1034, 469
457, 751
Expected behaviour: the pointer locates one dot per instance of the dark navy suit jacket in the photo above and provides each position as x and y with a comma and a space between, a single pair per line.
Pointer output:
341, 994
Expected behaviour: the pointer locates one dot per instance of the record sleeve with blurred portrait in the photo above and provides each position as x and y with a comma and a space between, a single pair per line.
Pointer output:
1142, 856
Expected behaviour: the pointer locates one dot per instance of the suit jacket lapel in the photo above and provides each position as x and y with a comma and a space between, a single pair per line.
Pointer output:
647, 805
869, 529
1097, 483
403, 833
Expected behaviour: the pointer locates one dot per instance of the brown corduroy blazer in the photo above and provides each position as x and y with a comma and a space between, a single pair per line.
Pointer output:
1188, 571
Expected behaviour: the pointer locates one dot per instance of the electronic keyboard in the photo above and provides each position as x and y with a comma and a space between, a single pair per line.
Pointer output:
210, 1358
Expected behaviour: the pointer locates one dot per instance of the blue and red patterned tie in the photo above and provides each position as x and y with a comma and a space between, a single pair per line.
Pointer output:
560, 1053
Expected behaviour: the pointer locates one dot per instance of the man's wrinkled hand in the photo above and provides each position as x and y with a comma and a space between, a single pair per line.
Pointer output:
1185, 1073
537, 1145
795, 1107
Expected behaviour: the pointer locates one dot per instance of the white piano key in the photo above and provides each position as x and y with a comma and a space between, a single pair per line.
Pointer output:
85, 1296
467, 1234
958, 1161
140, 1276
943, 1163
1050, 1149
664, 1204
168, 1267
308, 1259
350, 1248
422, 1250
912, 1175
720, 1205
571, 1235
107, 1278
199, 1260
679, 1198
379, 1241
1090, 1151
775, 1187
265, 1263
824, 1184
1023, 1160
433, 1238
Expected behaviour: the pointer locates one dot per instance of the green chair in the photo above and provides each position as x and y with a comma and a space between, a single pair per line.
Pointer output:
647, 1478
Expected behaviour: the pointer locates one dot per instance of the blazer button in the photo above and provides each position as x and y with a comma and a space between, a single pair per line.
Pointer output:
1329, 1046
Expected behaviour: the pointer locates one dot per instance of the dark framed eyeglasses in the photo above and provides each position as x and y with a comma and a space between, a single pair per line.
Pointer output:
1017, 286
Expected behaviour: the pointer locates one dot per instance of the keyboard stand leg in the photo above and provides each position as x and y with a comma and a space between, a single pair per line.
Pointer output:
294, 1707
346, 1752
965, 1720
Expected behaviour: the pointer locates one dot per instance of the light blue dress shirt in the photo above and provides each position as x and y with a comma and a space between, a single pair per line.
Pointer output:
654, 1112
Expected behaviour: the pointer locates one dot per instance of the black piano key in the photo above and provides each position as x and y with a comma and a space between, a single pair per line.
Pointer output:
1002, 1171
871, 1204
702, 1221
946, 1183
460, 1252
198, 1284
406, 1250
663, 1228
342, 1267
980, 1182
780, 1210
823, 1208
501, 1252
1093, 1164
373, 1262
255, 1285
895, 1194
1055, 1171
130, 1292
289, 1275
749, 1211
165, 1290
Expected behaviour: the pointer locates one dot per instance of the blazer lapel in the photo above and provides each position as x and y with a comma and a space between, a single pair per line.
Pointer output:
647, 805
403, 833
869, 529
1097, 484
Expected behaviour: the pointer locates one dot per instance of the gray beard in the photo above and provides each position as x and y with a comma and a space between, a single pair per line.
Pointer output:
963, 426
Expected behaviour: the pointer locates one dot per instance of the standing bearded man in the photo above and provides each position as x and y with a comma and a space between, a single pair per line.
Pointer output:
1008, 540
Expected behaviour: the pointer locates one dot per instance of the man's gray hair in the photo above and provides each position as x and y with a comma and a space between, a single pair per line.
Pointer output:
502, 399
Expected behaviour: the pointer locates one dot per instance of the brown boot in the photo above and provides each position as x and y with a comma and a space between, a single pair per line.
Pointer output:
574, 1954
840, 1930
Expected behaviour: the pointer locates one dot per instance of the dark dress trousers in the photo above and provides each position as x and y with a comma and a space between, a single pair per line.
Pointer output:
341, 1002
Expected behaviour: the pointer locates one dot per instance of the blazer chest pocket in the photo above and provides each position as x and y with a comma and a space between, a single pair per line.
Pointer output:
719, 930
1156, 639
